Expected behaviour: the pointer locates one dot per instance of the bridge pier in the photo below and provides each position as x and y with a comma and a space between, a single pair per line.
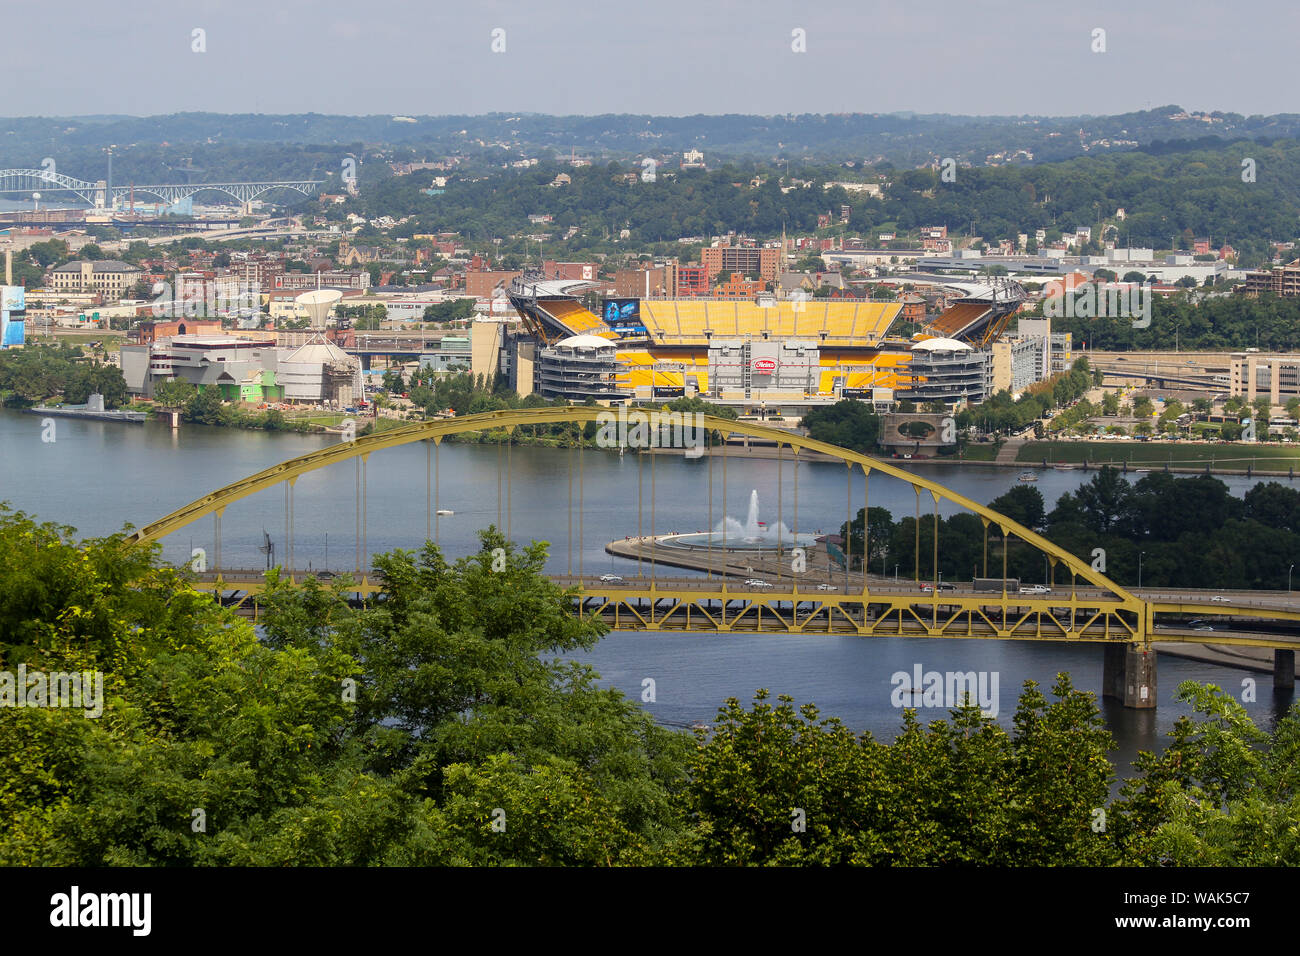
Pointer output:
1129, 674
1283, 669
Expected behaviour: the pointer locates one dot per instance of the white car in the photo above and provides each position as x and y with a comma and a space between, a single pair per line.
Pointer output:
756, 583
1035, 589
1221, 599
827, 587
611, 579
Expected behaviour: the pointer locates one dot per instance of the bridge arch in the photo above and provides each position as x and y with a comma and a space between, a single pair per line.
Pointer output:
29, 180
217, 501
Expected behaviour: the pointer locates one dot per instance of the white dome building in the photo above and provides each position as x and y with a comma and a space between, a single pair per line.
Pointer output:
320, 372
946, 370
582, 367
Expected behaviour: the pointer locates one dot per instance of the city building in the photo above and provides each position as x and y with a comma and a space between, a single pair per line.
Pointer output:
1279, 280
451, 354
146, 333
483, 285
655, 280
1016, 364
571, 270
320, 373
1274, 376
251, 369
306, 281
691, 281
222, 361
764, 263
111, 278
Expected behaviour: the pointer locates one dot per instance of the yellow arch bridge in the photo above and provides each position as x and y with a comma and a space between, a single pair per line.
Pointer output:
792, 596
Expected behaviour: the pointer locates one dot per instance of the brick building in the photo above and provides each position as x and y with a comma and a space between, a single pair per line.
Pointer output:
747, 260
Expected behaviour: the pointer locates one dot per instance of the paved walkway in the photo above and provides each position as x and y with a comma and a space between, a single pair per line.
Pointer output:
1010, 448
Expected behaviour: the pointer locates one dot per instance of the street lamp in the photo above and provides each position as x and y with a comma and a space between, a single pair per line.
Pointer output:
1140, 553
1288, 578
895, 574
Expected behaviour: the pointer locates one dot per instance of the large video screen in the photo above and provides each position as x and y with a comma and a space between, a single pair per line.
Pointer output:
624, 316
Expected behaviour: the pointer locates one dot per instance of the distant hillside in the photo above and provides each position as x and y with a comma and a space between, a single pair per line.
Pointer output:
901, 139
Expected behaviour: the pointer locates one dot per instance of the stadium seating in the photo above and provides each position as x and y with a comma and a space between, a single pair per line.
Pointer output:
958, 318
573, 316
687, 320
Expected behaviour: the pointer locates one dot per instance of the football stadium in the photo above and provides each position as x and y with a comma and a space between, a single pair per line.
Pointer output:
798, 351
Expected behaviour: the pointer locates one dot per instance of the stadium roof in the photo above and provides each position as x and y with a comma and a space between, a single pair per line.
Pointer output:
551, 287
584, 342
941, 345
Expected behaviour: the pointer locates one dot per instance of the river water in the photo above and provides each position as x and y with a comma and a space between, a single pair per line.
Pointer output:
99, 476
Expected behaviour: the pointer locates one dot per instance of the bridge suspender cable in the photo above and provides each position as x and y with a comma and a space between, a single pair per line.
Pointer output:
708, 441
935, 593
640, 531
570, 457
916, 546
780, 509
866, 508
653, 565
582, 511
848, 531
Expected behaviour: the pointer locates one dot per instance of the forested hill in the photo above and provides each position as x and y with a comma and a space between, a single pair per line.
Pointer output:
1167, 198
903, 139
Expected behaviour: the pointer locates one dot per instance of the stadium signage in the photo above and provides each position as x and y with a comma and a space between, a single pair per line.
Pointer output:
764, 366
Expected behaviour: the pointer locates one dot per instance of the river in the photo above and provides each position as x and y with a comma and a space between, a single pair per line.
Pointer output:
98, 476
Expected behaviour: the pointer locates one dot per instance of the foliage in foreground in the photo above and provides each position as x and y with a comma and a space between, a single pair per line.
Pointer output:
442, 725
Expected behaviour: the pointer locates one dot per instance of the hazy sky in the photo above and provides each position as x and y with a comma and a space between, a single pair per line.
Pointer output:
668, 57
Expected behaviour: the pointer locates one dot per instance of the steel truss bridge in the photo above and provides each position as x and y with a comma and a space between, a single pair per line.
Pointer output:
1094, 609
46, 181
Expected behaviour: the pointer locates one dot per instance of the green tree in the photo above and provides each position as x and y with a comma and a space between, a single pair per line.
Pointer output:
173, 393
204, 408
848, 423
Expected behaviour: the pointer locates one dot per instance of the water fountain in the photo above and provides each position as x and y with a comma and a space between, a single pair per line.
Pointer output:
753, 535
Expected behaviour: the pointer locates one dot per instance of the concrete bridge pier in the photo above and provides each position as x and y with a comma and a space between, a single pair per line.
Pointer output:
1283, 669
1129, 675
